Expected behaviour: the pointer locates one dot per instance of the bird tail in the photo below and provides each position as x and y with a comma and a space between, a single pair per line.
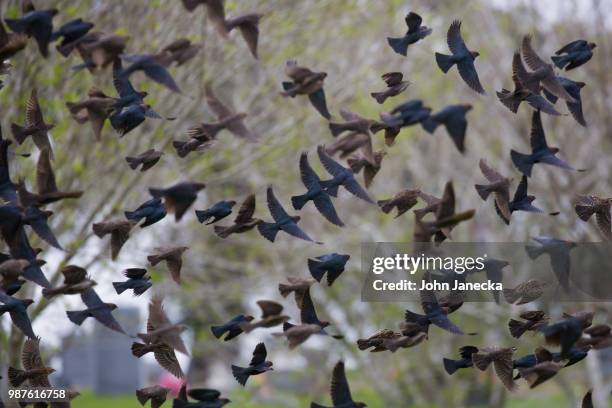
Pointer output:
18, 133
380, 97
222, 232
287, 86
584, 208
49, 293
483, 191
316, 270
329, 187
203, 216
132, 216
218, 331
509, 100
481, 361
517, 328
16, 24
132, 162
99, 230
560, 61
240, 375
287, 326
523, 162
445, 62
143, 397
268, 230
511, 295
430, 125
77, 317
16, 377
154, 259
179, 146
385, 205
450, 366
156, 192
285, 290
363, 344
147, 338
533, 251
337, 128
139, 349
399, 45
120, 287
299, 201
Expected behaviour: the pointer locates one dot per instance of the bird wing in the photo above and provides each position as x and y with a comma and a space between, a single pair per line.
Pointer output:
446, 207
175, 263
443, 322
325, 206
74, 274
247, 209
159, 74
45, 179
317, 99
105, 317
504, 368
204, 394
551, 83
219, 109
521, 77
537, 138
456, 127
331, 166
38, 220
521, 190
413, 21
166, 358
135, 273
157, 314
489, 173
572, 46
269, 308
575, 109
91, 298
293, 229
30, 355
250, 32
21, 319
308, 314
467, 70
259, 355
215, 11
603, 221
121, 82
532, 59
392, 78
310, 179
353, 187
275, 207
33, 113
454, 40
340, 391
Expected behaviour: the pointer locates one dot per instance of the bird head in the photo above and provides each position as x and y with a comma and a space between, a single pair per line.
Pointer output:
231, 203
181, 327
27, 302
142, 94
530, 198
198, 186
554, 150
296, 218
49, 370
361, 404
467, 106
268, 365
475, 54
53, 11
580, 84
112, 306
592, 45
249, 318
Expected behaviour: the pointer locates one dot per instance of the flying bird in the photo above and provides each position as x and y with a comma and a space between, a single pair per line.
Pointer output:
233, 328
217, 212
370, 165
258, 365
71, 32
353, 123
98, 50
227, 119
282, 221
525, 292
196, 141
558, 251
16, 308
573, 55
207, 398
539, 373
588, 205
76, 281
295, 285
395, 86
403, 201
151, 211
248, 25
152, 69
179, 197
37, 24
119, 231
160, 330
10, 271
416, 31
350, 143
35, 372
521, 201
137, 280
95, 110
341, 176
173, 256
405, 114
178, 51
575, 107
454, 120
502, 361
498, 185
96, 309
34, 126
164, 355
567, 331
11, 43
466, 353
533, 320
461, 56
306, 82
271, 315
147, 159
333, 264
340, 391
243, 222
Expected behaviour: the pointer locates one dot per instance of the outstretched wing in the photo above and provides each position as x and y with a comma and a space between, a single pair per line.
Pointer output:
275, 207
340, 391
454, 39
259, 355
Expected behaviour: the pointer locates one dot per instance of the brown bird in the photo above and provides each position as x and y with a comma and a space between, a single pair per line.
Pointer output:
178, 51
147, 158
534, 320
243, 222
215, 11
11, 43
173, 257
525, 292
586, 206
95, 110
98, 50
539, 373
76, 281
391, 340
403, 200
353, 123
295, 285
227, 119
248, 24
119, 230
502, 362
432, 205
197, 141
599, 337
10, 271
179, 197
350, 143
34, 369
375, 341
164, 355
370, 166
35, 125
160, 330
391, 132
395, 86
340, 391
543, 74
306, 82
498, 185
156, 394
270, 316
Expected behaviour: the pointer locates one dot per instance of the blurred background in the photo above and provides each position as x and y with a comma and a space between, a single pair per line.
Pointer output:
222, 278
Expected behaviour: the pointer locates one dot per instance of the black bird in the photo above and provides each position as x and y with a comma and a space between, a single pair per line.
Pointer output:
540, 151
147, 159
218, 212
152, 211
588, 205
405, 114
306, 82
333, 264
415, 32
568, 331
533, 320
151, 67
127, 119
11, 43
453, 119
71, 33
207, 398
258, 365
97, 309
559, 252
179, 197
137, 281
573, 88
395, 86
466, 352
243, 222
37, 24
8, 190
16, 308
573, 55
340, 391
521, 202
282, 221
315, 192
461, 56
233, 328
342, 176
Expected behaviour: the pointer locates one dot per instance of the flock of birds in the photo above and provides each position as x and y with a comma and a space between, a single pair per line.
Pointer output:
538, 86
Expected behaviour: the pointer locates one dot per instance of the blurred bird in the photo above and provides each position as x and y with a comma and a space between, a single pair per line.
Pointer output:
37, 24
521, 202
395, 86
243, 222
11, 43
599, 337
525, 292
353, 123
178, 51
34, 369
416, 31
295, 285
573, 55
568, 331
453, 119
340, 391
333, 264
587, 206
119, 231
498, 185
160, 330
349, 143
446, 218
138, 281
403, 200
34, 126
197, 141
8, 190
156, 394
152, 211
98, 50
306, 82
164, 355
147, 159
559, 253
391, 132
405, 114
97, 309
16, 308
370, 165
587, 400
539, 373
282, 221
314, 193
258, 365
341, 176
534, 320
207, 398
466, 353
270, 316
540, 151
71, 32
233, 328
76, 281
95, 109
38, 220
227, 119
10, 271
152, 69
502, 362
248, 24
179, 197
173, 256
461, 56
217, 212
575, 107
375, 341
